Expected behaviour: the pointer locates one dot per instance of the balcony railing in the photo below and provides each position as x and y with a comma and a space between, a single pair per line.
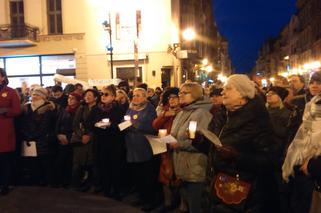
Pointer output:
18, 32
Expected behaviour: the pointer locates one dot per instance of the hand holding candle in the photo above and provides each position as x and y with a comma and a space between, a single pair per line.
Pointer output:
162, 132
105, 120
192, 129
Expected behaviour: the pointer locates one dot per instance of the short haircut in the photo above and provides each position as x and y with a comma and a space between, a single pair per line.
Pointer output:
56, 88
79, 85
111, 88
142, 90
195, 88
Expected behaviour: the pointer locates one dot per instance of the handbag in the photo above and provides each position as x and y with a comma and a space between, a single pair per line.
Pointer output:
231, 190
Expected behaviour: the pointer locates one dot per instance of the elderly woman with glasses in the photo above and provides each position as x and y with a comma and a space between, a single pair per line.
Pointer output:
241, 171
144, 166
189, 163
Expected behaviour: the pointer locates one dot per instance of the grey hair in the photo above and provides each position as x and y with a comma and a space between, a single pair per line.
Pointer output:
195, 88
142, 90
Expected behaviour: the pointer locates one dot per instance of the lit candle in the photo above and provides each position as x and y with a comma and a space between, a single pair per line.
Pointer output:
127, 117
105, 120
162, 132
192, 129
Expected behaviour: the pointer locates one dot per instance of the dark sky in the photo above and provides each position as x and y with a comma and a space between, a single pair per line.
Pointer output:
248, 23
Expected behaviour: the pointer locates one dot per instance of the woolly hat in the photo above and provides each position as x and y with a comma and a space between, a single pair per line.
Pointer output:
169, 91
77, 96
243, 85
216, 92
42, 92
315, 77
280, 91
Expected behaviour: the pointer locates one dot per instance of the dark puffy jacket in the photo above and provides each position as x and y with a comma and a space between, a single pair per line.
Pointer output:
248, 130
39, 126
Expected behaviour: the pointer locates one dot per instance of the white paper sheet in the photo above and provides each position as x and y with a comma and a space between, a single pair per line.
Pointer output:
157, 145
102, 125
211, 136
168, 139
29, 151
124, 125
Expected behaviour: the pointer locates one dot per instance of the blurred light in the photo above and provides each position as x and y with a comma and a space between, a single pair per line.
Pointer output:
209, 68
264, 82
222, 78
205, 61
312, 65
272, 79
189, 34
286, 57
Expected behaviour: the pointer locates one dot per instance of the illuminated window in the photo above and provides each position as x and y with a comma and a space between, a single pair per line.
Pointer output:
23, 66
50, 64
1, 63
37, 69
54, 16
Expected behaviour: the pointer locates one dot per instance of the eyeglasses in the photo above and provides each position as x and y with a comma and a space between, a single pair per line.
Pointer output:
184, 93
106, 94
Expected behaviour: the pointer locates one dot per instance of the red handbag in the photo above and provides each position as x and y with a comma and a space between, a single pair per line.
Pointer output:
231, 190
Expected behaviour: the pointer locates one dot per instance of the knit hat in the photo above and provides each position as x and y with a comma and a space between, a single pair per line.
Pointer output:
216, 92
315, 77
42, 92
77, 96
280, 91
169, 91
243, 85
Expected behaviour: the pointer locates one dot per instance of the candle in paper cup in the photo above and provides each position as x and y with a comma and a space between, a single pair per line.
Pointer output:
192, 129
162, 132
127, 117
105, 120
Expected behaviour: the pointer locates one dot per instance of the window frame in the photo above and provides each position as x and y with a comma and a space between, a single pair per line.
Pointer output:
54, 28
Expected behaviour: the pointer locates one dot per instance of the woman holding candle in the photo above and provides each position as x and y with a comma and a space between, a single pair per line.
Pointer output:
140, 157
248, 156
190, 164
163, 123
109, 147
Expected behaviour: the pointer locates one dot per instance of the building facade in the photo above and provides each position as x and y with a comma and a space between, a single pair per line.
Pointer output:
297, 49
95, 40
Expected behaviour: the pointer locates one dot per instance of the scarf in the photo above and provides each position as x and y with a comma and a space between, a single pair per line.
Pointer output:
72, 109
106, 107
36, 104
307, 141
138, 107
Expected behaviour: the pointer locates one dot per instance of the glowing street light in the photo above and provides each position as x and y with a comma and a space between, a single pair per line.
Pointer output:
189, 34
209, 68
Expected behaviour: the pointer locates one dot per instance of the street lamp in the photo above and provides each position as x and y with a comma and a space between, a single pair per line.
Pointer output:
107, 27
189, 34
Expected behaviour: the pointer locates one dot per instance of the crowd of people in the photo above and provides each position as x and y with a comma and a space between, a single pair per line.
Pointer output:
269, 159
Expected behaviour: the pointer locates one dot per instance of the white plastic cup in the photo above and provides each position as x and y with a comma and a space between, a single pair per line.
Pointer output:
192, 129
105, 120
127, 117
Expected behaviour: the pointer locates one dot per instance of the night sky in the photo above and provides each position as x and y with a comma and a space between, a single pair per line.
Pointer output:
248, 23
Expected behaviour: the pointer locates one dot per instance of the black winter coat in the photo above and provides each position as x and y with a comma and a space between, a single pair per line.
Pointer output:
39, 126
247, 130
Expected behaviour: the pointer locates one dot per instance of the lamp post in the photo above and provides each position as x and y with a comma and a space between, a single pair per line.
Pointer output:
107, 27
